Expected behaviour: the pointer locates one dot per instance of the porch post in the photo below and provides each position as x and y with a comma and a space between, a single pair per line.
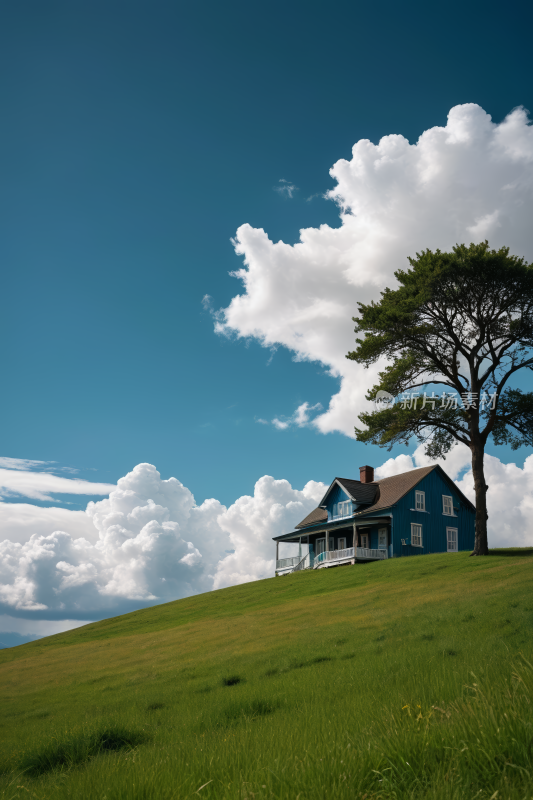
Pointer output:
300, 548
327, 544
277, 554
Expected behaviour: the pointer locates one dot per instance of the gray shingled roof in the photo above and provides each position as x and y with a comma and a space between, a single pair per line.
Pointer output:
381, 494
361, 492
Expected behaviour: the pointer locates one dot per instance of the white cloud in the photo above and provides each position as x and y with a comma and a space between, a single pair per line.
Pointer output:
41, 485
251, 522
468, 180
300, 418
287, 188
150, 542
457, 460
18, 521
509, 498
509, 501
22, 463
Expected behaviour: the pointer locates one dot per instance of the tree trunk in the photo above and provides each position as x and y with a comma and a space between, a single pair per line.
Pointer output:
481, 547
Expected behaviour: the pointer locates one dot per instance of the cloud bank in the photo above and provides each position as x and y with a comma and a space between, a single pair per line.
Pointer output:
150, 542
467, 181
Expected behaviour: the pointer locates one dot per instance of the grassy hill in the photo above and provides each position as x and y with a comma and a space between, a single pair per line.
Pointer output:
406, 678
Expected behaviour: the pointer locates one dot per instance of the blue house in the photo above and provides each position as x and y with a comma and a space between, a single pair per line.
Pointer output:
420, 511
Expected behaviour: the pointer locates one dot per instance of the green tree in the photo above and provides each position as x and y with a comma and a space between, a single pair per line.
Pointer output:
463, 320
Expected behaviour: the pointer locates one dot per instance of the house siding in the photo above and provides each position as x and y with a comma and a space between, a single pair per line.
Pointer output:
433, 521
397, 517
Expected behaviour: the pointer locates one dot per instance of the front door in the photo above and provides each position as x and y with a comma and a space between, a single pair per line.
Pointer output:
364, 540
342, 544
320, 546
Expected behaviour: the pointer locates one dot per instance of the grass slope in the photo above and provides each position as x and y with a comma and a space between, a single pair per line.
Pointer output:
405, 678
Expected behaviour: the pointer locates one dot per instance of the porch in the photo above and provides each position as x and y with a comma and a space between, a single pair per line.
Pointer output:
330, 558
337, 543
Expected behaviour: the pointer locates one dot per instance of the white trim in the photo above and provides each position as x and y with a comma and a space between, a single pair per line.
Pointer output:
420, 500
444, 506
345, 504
452, 538
414, 526
382, 532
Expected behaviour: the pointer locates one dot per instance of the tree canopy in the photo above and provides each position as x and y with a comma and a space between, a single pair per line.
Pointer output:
464, 321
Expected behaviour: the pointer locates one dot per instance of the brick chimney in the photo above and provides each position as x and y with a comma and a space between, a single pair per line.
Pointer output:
366, 474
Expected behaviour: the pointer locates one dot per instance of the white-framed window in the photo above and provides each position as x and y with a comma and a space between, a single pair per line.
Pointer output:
342, 544
447, 505
382, 537
420, 501
451, 538
343, 509
416, 535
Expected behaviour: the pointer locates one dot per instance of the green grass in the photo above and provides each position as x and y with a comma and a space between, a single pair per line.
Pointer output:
409, 678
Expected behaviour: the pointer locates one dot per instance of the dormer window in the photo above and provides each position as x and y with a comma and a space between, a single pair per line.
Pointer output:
343, 509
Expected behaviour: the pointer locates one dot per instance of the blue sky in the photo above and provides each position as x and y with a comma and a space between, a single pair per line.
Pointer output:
136, 139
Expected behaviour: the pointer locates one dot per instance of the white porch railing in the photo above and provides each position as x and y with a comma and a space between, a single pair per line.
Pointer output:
297, 563
366, 553
284, 563
374, 555
333, 555
303, 564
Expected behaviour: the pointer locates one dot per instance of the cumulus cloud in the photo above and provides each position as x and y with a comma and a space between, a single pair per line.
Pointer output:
469, 180
509, 498
19, 521
251, 522
150, 542
509, 501
458, 459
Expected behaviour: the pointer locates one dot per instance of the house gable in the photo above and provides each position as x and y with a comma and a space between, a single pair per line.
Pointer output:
422, 528
435, 486
342, 489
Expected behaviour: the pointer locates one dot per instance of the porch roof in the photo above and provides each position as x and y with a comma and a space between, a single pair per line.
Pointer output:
347, 522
